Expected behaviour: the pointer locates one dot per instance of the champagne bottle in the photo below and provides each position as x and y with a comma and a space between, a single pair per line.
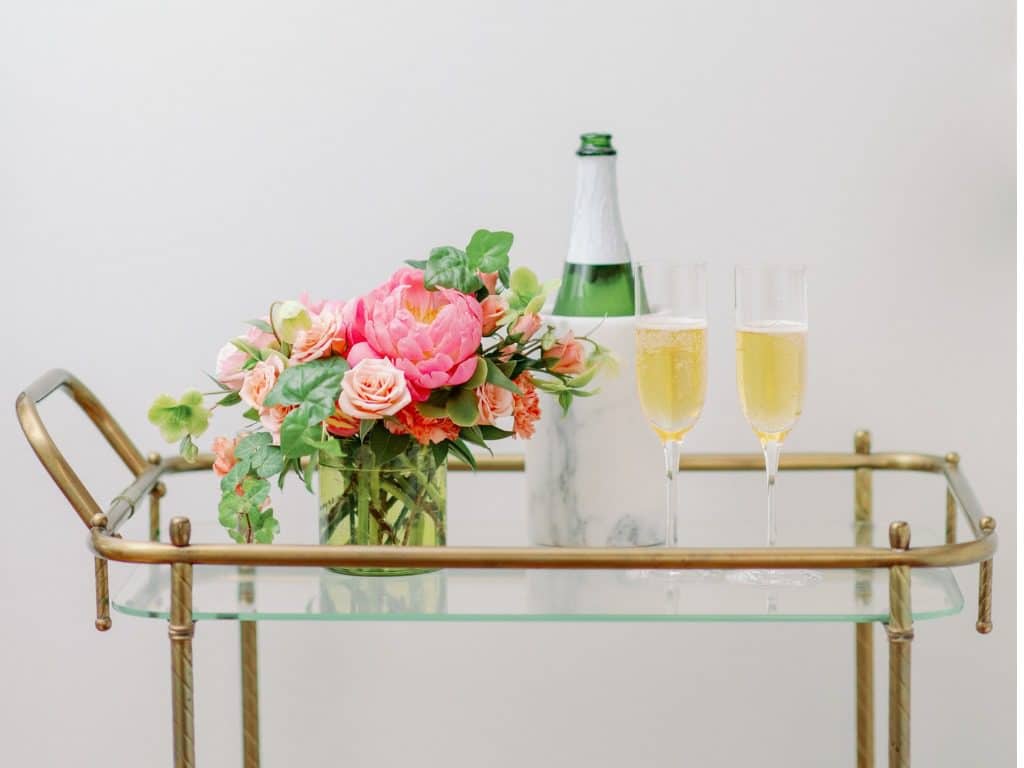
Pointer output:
598, 278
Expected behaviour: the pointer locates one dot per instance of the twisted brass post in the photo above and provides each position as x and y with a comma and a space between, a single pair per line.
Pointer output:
180, 630
984, 625
900, 630
158, 492
99, 522
954, 459
864, 639
250, 675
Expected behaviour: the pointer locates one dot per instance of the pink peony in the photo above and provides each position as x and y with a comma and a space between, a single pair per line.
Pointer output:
493, 308
490, 281
526, 326
272, 418
259, 380
568, 354
326, 335
424, 430
372, 389
224, 450
230, 359
431, 336
493, 403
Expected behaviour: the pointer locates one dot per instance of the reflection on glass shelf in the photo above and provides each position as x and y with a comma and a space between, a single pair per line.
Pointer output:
314, 594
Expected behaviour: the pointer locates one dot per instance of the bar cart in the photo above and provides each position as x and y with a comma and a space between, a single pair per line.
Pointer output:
180, 581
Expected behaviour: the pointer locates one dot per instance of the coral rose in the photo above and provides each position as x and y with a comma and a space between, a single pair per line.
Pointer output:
493, 308
230, 358
325, 335
490, 281
493, 403
431, 336
373, 389
260, 380
526, 326
272, 417
526, 407
423, 429
341, 424
224, 450
568, 355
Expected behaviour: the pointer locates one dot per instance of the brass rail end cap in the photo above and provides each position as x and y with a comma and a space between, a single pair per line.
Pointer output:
984, 627
988, 524
103, 623
953, 458
99, 520
181, 531
862, 441
899, 535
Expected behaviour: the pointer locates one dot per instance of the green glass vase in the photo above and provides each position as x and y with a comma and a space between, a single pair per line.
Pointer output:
401, 503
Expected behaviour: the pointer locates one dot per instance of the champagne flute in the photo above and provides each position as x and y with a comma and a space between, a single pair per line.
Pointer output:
671, 360
771, 373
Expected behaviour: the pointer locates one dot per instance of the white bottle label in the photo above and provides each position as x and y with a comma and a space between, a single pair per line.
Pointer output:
597, 234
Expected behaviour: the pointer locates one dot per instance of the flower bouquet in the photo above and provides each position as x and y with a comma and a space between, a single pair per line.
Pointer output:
372, 394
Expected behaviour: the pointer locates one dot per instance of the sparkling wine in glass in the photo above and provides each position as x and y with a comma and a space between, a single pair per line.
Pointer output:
771, 375
671, 361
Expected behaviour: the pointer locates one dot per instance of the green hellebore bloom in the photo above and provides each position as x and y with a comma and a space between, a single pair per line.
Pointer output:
177, 418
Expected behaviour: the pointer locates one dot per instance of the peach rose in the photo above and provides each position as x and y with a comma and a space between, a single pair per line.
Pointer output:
230, 358
372, 389
490, 281
326, 334
493, 402
259, 380
341, 425
494, 308
526, 326
224, 450
568, 354
272, 418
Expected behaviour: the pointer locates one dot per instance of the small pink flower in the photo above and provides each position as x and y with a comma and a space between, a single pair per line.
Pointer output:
490, 281
272, 418
526, 326
230, 359
224, 450
568, 355
493, 403
260, 380
494, 308
373, 389
527, 406
325, 335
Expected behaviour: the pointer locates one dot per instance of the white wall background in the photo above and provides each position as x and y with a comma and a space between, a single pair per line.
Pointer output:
166, 170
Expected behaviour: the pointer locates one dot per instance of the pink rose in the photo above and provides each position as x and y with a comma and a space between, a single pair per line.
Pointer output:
568, 355
494, 308
431, 336
224, 450
230, 359
325, 335
372, 389
490, 281
526, 326
493, 403
272, 418
260, 379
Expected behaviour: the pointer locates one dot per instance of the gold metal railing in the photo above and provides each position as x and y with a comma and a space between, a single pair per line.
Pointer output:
181, 554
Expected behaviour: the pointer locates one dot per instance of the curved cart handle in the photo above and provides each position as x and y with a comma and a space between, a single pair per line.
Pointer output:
63, 475
50, 456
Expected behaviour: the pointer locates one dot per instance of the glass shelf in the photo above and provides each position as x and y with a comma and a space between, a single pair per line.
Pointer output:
314, 594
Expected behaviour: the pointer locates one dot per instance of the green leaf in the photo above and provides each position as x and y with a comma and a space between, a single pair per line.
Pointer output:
448, 267
498, 378
298, 436
475, 435
565, 400
440, 452
249, 349
309, 470
231, 504
479, 375
231, 398
235, 476
505, 276
177, 418
432, 411
256, 490
250, 445
552, 386
314, 385
252, 415
416, 264
263, 325
189, 451
265, 458
491, 432
525, 283
488, 251
365, 427
584, 378
386, 446
460, 448
463, 408
536, 304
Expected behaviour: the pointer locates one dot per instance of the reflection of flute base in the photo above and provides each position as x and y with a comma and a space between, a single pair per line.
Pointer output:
768, 577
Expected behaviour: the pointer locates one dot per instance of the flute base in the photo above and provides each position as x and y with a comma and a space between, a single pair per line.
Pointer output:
770, 577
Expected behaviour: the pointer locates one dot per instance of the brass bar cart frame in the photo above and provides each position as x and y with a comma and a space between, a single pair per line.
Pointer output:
181, 555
